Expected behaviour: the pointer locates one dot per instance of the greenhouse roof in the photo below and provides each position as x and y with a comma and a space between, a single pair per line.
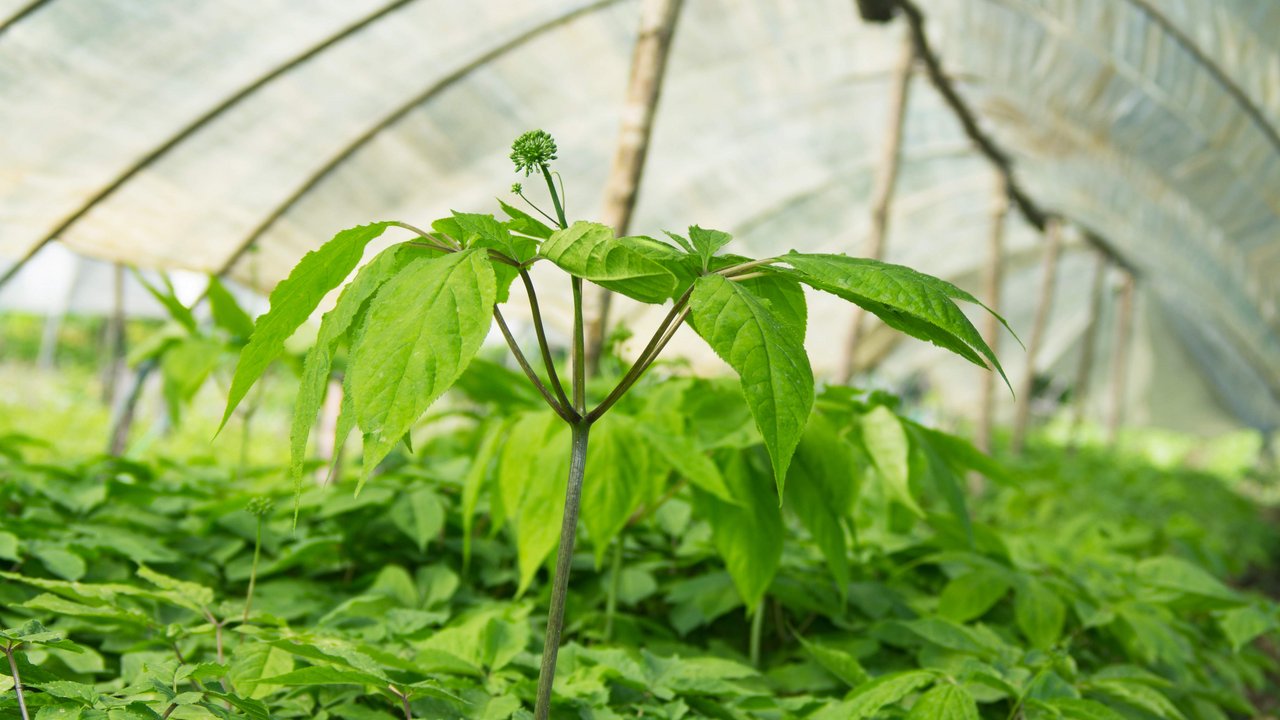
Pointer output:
235, 136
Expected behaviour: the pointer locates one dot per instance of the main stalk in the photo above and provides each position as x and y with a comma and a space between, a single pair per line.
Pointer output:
564, 559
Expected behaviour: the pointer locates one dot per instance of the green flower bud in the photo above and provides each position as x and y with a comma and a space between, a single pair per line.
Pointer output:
532, 150
260, 506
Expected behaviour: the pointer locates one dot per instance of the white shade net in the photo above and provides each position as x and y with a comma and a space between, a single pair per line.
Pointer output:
181, 134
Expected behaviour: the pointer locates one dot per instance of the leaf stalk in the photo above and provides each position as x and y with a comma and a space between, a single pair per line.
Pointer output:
17, 681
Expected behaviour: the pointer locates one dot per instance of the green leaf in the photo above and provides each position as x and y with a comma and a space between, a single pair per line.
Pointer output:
420, 515
886, 441
682, 241
699, 675
34, 633
929, 465
1081, 709
820, 490
484, 231
620, 476
970, 596
837, 662
683, 267
180, 313
1171, 573
227, 313
707, 242
253, 709
474, 482
1039, 613
49, 712
682, 454
8, 546
946, 634
1139, 695
253, 661
193, 596
961, 454
748, 535
491, 637
85, 694
62, 606
785, 299
422, 330
325, 675
590, 251
945, 702
870, 698
769, 358
532, 475
185, 366
917, 304
1242, 625
293, 301
59, 561
524, 223
336, 326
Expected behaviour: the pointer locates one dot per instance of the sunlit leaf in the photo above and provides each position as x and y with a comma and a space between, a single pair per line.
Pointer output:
422, 329
769, 358
590, 251
293, 301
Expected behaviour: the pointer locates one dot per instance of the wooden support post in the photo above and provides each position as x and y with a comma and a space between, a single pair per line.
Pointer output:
1088, 348
1120, 358
115, 336
126, 410
1048, 278
882, 191
991, 296
327, 446
648, 66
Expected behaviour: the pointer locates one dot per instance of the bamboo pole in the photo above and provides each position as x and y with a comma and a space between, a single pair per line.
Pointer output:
991, 296
882, 191
126, 411
1088, 348
1120, 358
648, 66
115, 338
1048, 280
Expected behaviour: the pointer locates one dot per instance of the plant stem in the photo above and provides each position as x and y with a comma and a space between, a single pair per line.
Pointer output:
253, 572
615, 583
541, 332
564, 559
566, 413
757, 629
579, 352
535, 207
743, 267
647, 356
17, 682
404, 701
555, 197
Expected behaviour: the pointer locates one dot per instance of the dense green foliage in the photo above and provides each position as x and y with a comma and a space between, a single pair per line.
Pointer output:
761, 548
415, 318
1084, 587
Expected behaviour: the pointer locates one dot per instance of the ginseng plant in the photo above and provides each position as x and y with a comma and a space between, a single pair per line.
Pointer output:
417, 313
